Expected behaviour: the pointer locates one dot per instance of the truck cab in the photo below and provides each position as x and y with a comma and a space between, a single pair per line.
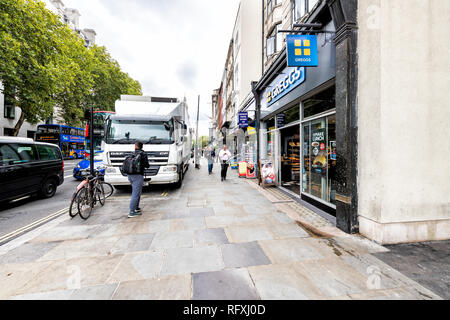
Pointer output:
166, 141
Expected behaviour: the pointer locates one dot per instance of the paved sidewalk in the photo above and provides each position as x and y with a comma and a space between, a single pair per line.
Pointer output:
208, 240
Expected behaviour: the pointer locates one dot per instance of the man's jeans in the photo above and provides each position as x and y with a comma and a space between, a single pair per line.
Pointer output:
210, 166
136, 181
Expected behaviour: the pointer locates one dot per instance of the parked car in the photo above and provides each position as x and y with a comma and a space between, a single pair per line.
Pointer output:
83, 168
28, 168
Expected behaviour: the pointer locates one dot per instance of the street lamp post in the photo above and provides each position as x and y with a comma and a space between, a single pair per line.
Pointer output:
197, 164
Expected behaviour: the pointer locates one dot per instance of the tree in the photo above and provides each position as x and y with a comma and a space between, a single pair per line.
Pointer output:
44, 64
109, 81
28, 64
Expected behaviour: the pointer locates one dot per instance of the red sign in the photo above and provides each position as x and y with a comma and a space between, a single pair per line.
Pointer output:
322, 146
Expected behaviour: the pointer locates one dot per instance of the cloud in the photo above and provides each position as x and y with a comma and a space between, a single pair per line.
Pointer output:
173, 47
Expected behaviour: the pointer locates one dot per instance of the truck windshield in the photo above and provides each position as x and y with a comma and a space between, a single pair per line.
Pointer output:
148, 132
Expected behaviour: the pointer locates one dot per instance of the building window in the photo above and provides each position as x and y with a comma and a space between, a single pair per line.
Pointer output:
271, 4
9, 112
301, 7
236, 76
274, 41
8, 132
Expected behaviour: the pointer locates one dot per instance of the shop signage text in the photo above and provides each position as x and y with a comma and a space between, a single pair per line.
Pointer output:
281, 120
243, 120
286, 83
302, 51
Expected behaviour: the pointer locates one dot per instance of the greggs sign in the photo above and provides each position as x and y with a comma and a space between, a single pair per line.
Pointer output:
291, 79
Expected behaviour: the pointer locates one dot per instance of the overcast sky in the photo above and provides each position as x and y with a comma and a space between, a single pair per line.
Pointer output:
172, 47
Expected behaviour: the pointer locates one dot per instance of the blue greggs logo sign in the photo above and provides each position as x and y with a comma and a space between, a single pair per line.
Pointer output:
302, 51
286, 83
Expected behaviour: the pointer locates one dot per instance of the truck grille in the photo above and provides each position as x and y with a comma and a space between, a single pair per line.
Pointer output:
150, 172
154, 158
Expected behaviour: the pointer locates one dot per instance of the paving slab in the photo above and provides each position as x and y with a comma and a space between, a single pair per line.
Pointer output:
224, 285
287, 231
15, 276
45, 296
282, 282
101, 292
167, 288
208, 237
133, 243
187, 224
333, 277
192, 260
66, 233
241, 255
28, 252
152, 227
289, 250
248, 233
114, 230
81, 248
70, 274
138, 266
201, 212
168, 240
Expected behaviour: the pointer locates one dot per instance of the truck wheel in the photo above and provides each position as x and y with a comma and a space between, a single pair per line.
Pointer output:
48, 188
180, 181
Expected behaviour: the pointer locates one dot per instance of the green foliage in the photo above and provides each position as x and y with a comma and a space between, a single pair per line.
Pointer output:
44, 64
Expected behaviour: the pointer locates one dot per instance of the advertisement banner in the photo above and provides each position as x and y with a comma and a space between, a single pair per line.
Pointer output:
319, 151
251, 171
268, 173
242, 169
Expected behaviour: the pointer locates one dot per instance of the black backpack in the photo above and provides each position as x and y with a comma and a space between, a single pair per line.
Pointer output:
132, 164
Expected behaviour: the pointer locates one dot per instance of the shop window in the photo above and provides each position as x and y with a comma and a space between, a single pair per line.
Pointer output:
269, 137
319, 159
319, 103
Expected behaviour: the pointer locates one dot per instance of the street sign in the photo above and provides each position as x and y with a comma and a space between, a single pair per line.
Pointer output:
243, 120
302, 51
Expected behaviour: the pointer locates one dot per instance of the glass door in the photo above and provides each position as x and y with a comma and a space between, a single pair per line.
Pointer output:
290, 158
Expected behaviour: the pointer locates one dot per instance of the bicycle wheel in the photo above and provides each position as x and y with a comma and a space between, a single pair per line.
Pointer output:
100, 194
108, 189
85, 204
73, 209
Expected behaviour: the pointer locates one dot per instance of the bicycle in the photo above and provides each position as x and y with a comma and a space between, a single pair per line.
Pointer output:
84, 195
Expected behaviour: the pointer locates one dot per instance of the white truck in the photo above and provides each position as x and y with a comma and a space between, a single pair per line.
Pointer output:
161, 124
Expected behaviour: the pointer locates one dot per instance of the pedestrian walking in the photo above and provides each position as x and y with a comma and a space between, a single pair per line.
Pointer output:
135, 166
224, 156
210, 155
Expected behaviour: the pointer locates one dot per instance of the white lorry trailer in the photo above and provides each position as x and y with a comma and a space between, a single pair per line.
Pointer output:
161, 124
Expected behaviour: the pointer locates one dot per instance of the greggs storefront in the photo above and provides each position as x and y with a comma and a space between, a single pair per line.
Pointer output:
298, 128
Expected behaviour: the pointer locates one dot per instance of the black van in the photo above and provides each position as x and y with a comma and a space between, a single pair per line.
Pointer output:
28, 167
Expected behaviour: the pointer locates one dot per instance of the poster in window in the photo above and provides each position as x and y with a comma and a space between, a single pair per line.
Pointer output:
319, 164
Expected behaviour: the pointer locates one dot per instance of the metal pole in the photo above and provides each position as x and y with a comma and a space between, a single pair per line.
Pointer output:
91, 139
258, 127
197, 165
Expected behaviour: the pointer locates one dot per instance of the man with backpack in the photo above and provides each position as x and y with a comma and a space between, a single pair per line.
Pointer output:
134, 166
